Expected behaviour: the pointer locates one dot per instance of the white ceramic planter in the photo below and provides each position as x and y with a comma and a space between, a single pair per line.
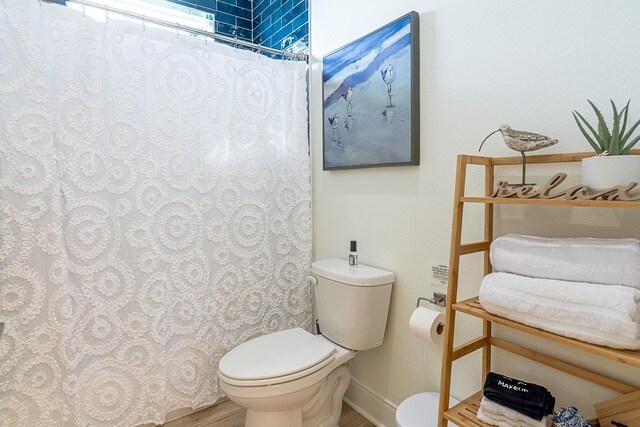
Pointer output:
601, 173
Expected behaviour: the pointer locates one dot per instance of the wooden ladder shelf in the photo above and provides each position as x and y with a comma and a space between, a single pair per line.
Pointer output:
464, 413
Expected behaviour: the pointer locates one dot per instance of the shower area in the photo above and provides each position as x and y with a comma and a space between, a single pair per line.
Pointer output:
154, 212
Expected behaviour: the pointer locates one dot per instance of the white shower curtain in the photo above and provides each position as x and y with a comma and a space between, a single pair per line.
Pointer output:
154, 213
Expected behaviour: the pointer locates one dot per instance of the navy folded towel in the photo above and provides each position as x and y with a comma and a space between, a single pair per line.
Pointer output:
529, 399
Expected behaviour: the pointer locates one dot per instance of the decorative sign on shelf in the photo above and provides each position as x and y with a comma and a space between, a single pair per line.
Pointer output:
580, 192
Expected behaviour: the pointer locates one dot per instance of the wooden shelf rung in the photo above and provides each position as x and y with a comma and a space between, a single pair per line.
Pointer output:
560, 365
468, 347
471, 248
464, 413
476, 160
473, 307
547, 158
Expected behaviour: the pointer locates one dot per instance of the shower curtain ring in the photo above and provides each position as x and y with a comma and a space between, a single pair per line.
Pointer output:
106, 14
83, 4
144, 27
178, 30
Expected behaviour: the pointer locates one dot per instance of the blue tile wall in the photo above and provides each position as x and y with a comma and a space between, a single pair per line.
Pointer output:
275, 20
265, 22
231, 15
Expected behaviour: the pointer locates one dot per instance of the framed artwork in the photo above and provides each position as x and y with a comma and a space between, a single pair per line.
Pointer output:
371, 99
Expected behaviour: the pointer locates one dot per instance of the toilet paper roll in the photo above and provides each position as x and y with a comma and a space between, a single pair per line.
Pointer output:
427, 324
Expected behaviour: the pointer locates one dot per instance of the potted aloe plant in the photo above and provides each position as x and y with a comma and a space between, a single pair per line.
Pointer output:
613, 164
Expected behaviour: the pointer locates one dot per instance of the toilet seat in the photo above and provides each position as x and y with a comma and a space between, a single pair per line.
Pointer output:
276, 358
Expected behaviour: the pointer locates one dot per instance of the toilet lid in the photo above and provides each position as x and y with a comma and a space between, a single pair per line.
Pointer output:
276, 355
421, 410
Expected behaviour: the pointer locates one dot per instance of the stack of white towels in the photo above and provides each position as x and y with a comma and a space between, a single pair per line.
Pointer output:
582, 288
497, 415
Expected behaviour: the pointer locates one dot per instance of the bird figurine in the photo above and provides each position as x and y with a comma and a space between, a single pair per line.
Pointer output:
522, 142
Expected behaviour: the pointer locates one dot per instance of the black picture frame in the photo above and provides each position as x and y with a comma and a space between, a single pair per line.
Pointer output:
365, 123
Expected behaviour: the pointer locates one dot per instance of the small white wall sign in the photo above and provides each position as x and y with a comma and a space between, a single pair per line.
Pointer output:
439, 273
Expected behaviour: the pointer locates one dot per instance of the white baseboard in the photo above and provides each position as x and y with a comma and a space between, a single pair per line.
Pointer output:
371, 405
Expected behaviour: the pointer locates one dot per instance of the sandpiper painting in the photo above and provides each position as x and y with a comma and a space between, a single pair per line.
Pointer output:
371, 99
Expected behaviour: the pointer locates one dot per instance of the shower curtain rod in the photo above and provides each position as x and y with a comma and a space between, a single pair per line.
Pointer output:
178, 27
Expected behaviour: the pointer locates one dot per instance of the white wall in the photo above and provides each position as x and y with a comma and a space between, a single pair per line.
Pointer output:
483, 63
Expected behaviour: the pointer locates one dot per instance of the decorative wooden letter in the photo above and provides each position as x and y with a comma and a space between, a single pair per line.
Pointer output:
580, 192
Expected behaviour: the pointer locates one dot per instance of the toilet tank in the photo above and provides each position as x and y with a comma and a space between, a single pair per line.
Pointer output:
352, 304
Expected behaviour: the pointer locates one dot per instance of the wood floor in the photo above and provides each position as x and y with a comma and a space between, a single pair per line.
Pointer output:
228, 414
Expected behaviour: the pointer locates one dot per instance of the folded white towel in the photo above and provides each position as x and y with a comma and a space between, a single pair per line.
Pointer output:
498, 415
604, 261
605, 315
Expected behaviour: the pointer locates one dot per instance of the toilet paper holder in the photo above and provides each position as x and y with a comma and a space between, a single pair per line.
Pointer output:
438, 299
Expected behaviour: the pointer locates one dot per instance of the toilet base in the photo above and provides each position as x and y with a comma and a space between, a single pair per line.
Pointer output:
326, 407
319, 405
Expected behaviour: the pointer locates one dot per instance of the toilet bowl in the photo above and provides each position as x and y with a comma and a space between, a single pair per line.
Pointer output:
287, 379
421, 410
293, 378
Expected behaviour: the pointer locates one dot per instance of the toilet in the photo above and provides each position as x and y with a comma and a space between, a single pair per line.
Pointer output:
293, 378
421, 410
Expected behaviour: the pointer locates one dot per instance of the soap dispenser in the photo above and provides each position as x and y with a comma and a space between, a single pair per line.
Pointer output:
353, 254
